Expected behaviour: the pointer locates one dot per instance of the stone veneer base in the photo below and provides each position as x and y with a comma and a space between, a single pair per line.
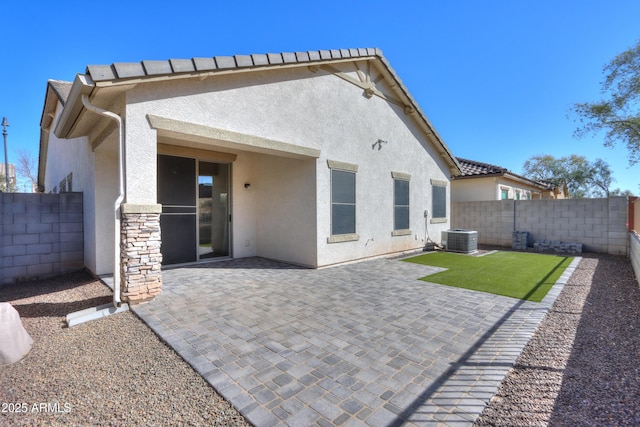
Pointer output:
140, 256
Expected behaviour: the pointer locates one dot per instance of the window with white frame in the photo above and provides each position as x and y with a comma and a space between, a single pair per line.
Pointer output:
439, 201
343, 201
401, 203
504, 193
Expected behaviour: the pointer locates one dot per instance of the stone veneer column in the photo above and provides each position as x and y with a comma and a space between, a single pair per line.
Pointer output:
140, 257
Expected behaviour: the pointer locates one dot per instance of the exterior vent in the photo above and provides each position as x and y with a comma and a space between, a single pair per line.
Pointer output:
459, 240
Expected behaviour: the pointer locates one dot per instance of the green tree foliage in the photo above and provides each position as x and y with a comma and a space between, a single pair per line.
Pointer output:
619, 113
582, 177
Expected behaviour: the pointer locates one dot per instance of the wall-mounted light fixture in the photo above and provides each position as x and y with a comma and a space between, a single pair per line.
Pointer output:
247, 185
379, 144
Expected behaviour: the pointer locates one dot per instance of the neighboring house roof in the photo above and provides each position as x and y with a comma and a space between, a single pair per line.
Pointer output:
474, 169
121, 76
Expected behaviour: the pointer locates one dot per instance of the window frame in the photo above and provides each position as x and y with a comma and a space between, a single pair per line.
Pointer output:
401, 177
435, 183
336, 166
504, 192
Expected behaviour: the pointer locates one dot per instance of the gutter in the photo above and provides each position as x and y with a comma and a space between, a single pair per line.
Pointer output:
117, 306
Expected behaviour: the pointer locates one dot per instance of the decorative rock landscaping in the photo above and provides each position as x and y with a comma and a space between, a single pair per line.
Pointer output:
556, 246
520, 242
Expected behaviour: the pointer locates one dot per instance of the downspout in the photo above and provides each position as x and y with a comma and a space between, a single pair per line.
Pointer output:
116, 206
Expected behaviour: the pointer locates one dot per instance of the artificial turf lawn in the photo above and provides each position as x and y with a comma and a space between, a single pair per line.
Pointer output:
514, 274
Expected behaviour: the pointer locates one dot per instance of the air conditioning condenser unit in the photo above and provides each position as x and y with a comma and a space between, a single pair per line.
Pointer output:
460, 240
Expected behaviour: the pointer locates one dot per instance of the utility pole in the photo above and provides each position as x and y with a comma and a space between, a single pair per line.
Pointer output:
5, 123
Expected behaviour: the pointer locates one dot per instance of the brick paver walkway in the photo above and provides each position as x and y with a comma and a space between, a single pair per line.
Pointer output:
358, 344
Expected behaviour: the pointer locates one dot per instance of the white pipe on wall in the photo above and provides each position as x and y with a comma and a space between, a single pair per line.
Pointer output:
116, 207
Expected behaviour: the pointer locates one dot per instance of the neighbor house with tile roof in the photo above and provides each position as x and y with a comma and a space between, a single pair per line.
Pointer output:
483, 181
313, 158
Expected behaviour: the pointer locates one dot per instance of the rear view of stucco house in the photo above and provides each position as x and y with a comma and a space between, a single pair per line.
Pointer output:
313, 158
483, 181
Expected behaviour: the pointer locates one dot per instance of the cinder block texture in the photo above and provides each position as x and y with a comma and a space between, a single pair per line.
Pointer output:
599, 225
42, 235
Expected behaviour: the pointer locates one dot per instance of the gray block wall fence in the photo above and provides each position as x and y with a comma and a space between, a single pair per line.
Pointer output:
41, 235
600, 225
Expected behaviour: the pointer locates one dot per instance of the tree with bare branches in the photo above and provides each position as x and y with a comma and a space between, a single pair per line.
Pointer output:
27, 167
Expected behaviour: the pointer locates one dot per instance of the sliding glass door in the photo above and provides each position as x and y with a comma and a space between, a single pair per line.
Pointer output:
213, 210
195, 209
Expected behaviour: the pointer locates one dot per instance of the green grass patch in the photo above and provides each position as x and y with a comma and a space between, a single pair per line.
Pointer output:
514, 274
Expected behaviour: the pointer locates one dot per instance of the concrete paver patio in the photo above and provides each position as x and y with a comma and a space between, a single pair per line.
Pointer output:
357, 344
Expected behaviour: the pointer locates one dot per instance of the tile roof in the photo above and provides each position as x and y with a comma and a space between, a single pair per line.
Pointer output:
120, 72
473, 168
123, 70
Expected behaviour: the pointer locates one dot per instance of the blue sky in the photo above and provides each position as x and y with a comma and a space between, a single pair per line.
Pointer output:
496, 78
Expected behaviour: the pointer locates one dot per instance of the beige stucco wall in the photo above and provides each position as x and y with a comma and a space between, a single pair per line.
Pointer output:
106, 172
490, 188
476, 189
286, 212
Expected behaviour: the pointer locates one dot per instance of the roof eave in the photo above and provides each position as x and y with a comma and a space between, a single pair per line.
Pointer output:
46, 120
480, 175
82, 85
507, 175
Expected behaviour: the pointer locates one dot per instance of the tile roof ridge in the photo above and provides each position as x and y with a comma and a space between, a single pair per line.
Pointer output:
460, 159
145, 68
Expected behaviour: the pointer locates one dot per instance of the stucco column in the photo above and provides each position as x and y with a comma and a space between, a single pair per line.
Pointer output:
140, 256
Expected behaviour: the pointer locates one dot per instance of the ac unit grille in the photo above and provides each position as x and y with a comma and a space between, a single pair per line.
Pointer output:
460, 240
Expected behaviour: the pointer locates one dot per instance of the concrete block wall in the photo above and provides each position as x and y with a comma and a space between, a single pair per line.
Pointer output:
600, 225
41, 235
492, 219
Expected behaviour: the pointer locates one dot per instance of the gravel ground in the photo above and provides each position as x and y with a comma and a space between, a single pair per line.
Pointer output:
579, 369
582, 366
112, 371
